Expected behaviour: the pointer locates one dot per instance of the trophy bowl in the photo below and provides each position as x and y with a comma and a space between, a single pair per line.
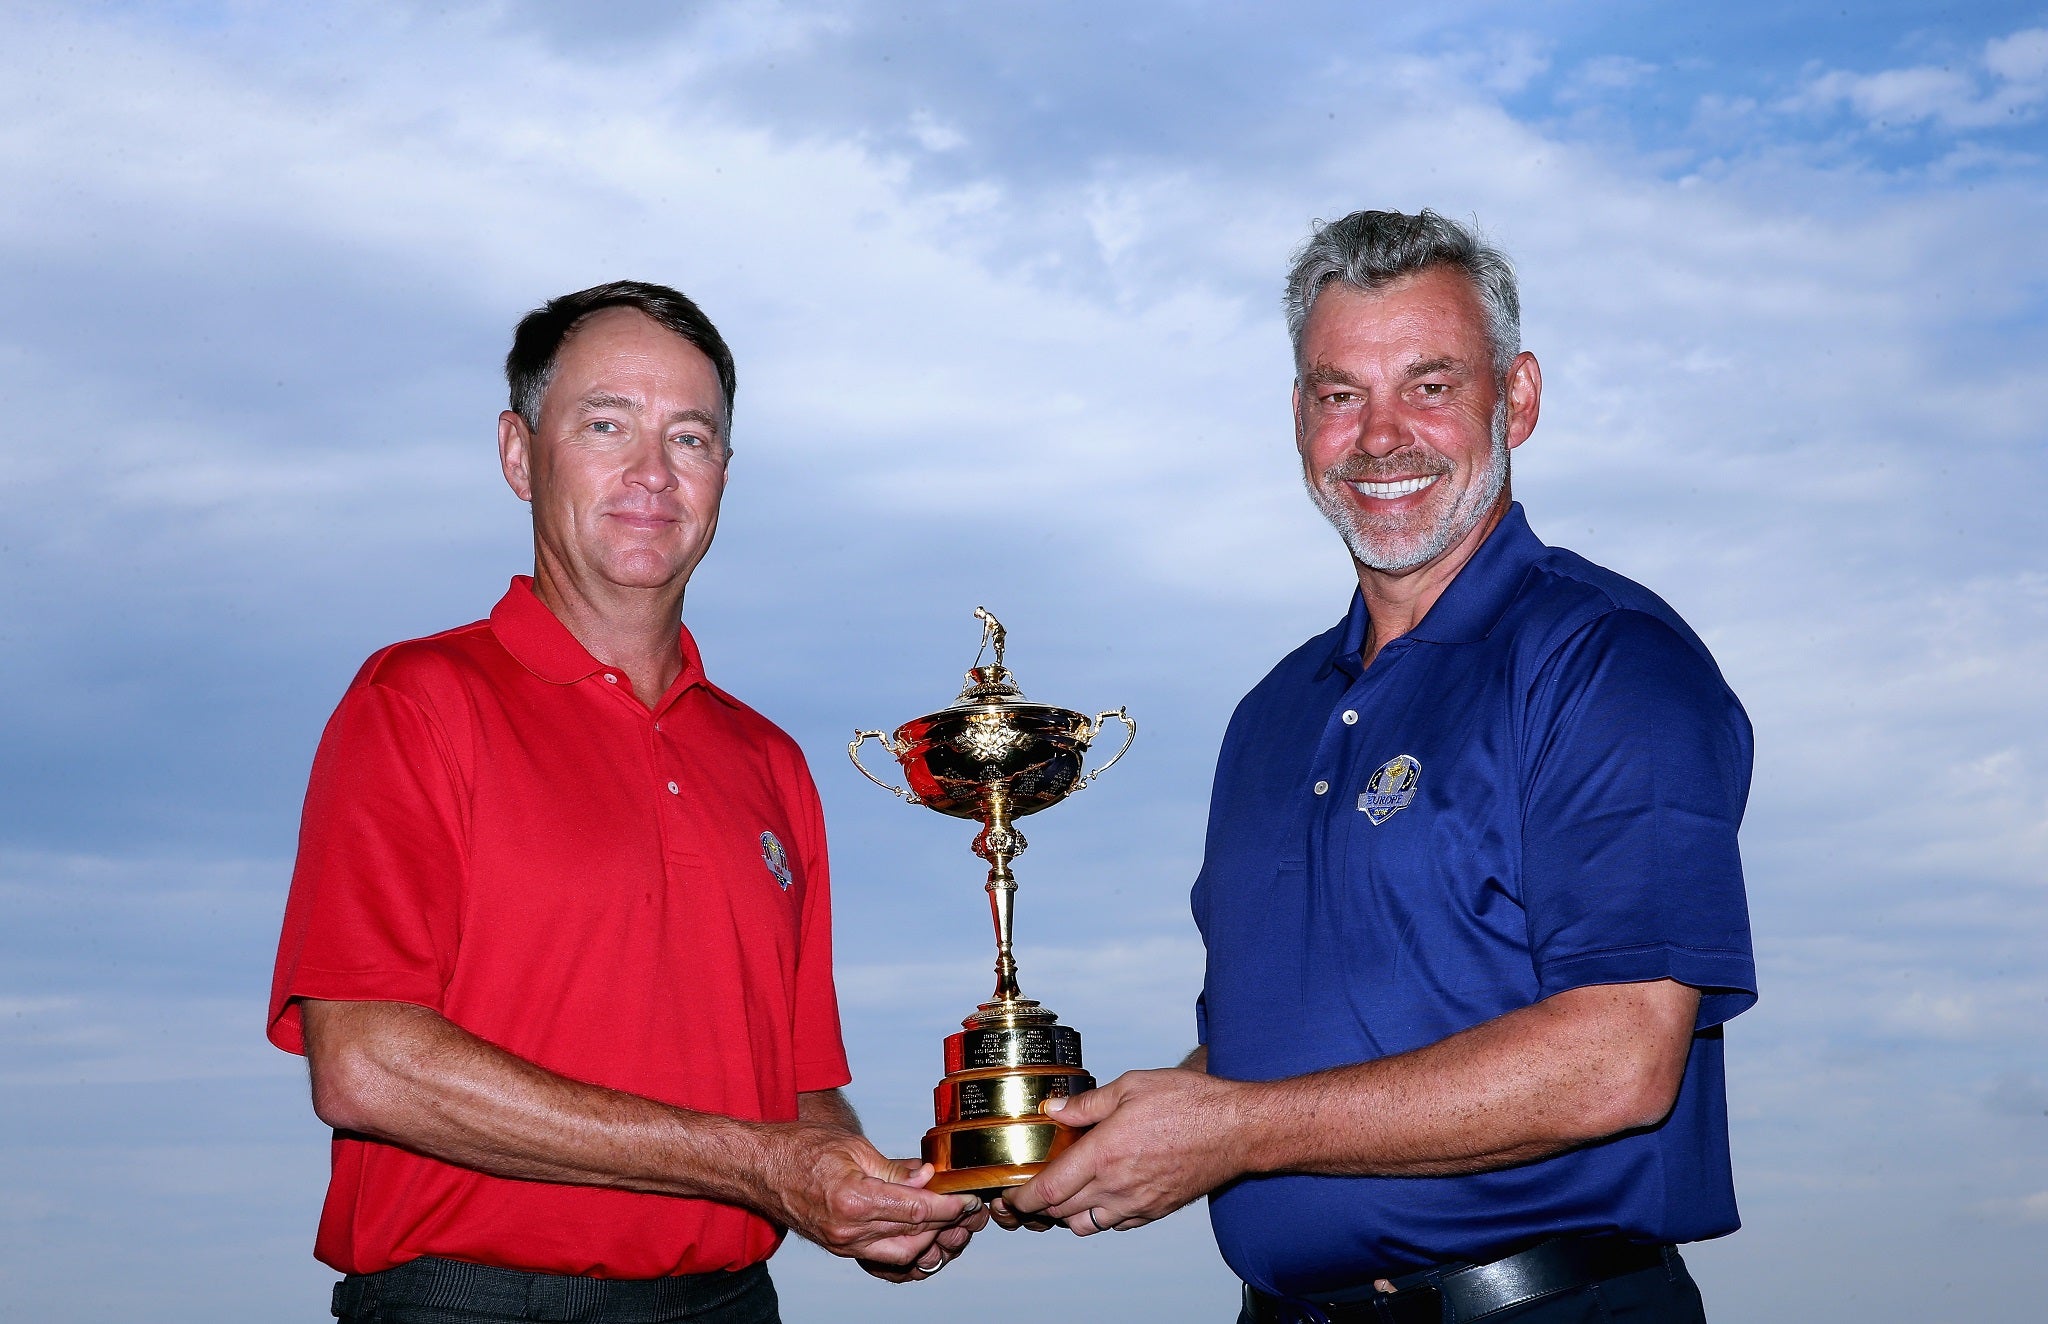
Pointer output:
992, 756
956, 760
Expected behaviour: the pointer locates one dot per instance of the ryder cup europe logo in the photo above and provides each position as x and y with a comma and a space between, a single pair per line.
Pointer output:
776, 858
1391, 789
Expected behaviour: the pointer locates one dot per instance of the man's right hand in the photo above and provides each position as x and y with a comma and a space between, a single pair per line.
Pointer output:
830, 1186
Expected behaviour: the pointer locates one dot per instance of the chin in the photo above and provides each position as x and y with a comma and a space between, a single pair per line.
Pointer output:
646, 571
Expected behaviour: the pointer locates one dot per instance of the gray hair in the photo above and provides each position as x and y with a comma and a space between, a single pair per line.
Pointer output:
1369, 250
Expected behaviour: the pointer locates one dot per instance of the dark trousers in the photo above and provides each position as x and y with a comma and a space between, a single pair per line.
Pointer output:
435, 1291
1664, 1294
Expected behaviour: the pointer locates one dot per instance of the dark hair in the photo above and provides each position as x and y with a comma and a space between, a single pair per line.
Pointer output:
531, 364
1370, 249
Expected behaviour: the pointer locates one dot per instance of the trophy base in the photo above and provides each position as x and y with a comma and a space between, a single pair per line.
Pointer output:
1005, 1062
986, 1159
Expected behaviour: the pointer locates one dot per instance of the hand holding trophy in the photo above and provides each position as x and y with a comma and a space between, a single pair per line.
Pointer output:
993, 757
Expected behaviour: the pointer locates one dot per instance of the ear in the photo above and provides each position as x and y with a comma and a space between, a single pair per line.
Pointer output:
1525, 397
515, 454
1294, 411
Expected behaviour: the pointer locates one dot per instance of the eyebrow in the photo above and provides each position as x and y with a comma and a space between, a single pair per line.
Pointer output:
1325, 375
1428, 366
608, 400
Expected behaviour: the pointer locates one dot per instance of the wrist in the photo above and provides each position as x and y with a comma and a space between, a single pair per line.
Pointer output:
729, 1160
1256, 1136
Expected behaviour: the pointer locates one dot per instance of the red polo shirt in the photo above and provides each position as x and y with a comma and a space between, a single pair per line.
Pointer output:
498, 830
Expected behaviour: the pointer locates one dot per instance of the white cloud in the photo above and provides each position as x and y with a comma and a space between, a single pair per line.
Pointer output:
1606, 75
2011, 88
934, 135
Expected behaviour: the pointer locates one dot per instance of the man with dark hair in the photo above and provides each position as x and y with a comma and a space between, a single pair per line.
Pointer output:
558, 947
1471, 895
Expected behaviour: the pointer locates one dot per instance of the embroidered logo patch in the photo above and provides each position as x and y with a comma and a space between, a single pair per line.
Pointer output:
777, 860
1391, 789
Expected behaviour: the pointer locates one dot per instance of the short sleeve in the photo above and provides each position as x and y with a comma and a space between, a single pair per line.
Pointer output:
1639, 771
375, 900
820, 1050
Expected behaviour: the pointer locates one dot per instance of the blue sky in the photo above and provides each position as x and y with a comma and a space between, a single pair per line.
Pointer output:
1003, 284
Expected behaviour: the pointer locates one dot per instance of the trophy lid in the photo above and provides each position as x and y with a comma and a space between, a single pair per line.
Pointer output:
990, 685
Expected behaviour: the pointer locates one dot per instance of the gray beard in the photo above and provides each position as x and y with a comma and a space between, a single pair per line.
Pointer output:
1366, 545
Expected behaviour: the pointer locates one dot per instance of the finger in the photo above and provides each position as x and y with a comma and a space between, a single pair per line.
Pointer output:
912, 1206
1063, 1187
1086, 1108
902, 1251
954, 1240
1045, 1188
905, 1172
892, 1273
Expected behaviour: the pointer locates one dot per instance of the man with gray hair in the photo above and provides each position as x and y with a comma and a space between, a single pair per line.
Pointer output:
1471, 895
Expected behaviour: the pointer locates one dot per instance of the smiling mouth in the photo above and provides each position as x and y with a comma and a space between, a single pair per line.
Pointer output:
1400, 487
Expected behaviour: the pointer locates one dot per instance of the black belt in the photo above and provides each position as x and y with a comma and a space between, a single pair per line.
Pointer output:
486, 1289
1466, 1292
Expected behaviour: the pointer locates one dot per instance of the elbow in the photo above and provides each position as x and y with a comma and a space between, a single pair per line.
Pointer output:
343, 1096
351, 1082
1638, 1095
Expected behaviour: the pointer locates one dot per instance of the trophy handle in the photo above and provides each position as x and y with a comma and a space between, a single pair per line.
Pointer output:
853, 752
1130, 734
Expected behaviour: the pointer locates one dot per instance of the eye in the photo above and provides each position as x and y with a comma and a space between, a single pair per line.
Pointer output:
1431, 390
603, 425
1339, 397
689, 440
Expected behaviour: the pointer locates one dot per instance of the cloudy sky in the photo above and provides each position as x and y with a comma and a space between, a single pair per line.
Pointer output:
1003, 284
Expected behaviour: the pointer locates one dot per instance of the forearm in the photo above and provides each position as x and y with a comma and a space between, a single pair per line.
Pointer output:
1575, 1068
828, 1108
404, 1074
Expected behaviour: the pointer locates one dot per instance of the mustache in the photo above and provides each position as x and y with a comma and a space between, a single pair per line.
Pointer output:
1391, 468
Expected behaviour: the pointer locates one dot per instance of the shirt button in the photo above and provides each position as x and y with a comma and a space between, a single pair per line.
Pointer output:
610, 679
1350, 716
674, 789
1322, 788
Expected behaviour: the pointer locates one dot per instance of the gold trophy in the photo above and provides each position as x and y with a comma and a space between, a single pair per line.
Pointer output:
994, 757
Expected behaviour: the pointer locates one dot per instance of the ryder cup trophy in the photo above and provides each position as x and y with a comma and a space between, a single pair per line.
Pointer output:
992, 756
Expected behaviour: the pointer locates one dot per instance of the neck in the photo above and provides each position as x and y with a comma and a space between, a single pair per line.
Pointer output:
632, 629
1397, 600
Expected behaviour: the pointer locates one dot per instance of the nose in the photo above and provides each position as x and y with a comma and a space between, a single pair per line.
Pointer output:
649, 466
1380, 433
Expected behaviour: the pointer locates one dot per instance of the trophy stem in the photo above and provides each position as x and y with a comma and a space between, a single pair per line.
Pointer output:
999, 843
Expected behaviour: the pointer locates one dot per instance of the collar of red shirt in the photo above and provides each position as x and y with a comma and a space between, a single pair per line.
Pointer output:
539, 641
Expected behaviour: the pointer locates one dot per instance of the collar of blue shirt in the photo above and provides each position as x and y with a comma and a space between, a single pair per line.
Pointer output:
1469, 608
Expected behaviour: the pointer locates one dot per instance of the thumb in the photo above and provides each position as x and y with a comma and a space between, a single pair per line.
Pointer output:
1084, 1109
904, 1172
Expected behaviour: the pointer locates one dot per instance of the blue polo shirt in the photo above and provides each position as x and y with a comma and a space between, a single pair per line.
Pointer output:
1535, 789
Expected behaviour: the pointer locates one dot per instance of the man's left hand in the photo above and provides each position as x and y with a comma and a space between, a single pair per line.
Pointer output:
1160, 1139
944, 1249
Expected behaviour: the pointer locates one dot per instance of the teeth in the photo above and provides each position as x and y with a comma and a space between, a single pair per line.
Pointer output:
1399, 488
